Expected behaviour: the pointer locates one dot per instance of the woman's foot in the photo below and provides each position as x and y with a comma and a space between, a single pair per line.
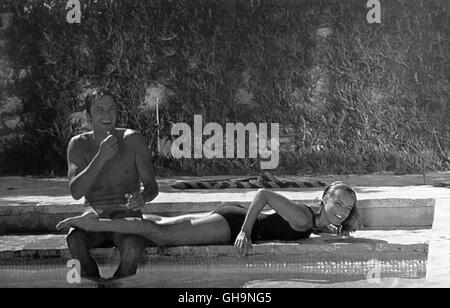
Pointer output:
85, 222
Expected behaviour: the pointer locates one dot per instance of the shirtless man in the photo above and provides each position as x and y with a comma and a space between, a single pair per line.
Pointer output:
106, 166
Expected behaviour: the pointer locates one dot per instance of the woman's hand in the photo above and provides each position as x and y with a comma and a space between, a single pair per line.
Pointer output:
334, 229
243, 244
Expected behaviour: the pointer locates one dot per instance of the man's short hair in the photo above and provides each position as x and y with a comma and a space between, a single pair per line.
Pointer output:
95, 95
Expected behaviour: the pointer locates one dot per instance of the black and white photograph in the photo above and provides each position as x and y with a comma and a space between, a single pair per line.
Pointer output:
247, 145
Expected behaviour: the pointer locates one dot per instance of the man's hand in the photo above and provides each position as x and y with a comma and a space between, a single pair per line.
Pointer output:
243, 244
135, 201
108, 147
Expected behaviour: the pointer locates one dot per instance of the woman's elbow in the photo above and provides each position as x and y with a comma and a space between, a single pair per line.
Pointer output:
263, 195
263, 191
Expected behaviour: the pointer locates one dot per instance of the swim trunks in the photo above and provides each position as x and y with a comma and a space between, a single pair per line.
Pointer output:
267, 227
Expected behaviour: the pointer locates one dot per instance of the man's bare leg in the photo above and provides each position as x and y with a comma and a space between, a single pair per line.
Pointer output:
79, 243
131, 248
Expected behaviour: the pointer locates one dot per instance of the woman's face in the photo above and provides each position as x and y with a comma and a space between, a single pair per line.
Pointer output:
338, 205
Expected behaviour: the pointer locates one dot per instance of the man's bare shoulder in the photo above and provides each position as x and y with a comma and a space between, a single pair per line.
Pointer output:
133, 136
81, 140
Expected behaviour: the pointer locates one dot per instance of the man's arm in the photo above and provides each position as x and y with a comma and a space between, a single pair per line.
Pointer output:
144, 166
82, 178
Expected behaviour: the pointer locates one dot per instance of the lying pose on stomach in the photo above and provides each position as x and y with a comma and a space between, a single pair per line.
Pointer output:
232, 223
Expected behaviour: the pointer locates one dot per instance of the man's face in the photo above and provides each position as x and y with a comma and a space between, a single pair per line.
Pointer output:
104, 114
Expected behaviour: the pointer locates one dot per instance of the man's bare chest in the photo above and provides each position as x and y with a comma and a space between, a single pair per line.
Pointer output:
123, 163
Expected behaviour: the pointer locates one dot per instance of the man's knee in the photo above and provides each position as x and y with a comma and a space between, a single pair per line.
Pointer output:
130, 246
76, 238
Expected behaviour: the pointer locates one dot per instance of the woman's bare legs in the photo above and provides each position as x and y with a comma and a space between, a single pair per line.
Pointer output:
201, 230
208, 230
163, 220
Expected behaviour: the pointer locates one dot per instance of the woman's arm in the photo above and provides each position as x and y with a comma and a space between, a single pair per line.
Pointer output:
297, 216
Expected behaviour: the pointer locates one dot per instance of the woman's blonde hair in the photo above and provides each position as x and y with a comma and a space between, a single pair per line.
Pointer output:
353, 221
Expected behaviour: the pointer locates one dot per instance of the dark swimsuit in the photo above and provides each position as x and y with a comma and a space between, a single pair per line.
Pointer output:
267, 227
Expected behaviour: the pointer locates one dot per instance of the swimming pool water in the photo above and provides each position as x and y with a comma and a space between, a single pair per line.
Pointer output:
230, 272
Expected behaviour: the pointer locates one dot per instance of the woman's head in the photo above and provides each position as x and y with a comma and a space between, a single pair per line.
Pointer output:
339, 206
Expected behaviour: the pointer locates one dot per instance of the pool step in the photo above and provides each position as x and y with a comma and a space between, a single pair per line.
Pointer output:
33, 206
362, 243
385, 213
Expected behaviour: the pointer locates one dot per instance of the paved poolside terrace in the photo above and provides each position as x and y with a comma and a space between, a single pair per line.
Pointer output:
402, 215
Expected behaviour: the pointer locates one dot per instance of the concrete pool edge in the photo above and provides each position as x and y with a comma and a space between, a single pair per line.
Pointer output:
36, 207
35, 247
391, 213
